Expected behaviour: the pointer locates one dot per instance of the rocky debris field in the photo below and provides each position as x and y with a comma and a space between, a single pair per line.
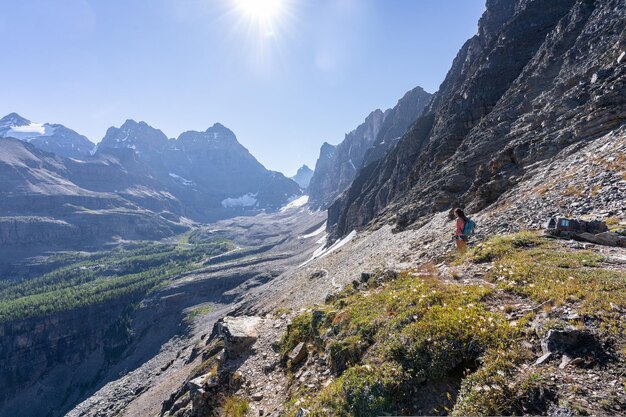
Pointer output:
582, 181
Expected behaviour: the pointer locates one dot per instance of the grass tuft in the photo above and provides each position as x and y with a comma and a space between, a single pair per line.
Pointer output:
235, 407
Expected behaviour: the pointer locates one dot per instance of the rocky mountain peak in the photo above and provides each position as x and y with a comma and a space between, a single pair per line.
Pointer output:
497, 13
215, 137
303, 176
396, 122
304, 169
327, 149
219, 131
338, 165
13, 119
54, 138
138, 136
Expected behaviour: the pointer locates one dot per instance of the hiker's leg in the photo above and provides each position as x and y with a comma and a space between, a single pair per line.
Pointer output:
461, 245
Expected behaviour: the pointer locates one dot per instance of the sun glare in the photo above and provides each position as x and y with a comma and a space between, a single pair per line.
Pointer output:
261, 10
266, 27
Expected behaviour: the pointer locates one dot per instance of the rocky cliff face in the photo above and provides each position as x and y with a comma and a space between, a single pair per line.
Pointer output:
396, 122
54, 138
51, 347
539, 76
337, 167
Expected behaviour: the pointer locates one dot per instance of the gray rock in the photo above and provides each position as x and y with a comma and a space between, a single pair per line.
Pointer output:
239, 334
303, 176
338, 165
297, 354
567, 341
605, 238
544, 358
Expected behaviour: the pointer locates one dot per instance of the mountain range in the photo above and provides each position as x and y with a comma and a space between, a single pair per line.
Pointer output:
60, 190
303, 176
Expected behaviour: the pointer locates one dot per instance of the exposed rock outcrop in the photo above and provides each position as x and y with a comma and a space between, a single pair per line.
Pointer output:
238, 333
397, 121
338, 165
539, 76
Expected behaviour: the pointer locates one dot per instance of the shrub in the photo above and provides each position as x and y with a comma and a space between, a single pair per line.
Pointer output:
362, 390
305, 328
235, 407
499, 388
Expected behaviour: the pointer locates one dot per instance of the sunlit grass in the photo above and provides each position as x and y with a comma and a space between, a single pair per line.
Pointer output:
387, 340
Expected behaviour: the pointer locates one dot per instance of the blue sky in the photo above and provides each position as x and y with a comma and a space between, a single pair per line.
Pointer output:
310, 75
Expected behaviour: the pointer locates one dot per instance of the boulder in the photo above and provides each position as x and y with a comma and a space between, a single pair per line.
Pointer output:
203, 382
544, 358
605, 238
297, 354
568, 341
238, 333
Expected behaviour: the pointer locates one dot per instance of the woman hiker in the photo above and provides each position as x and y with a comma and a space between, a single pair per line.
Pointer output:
459, 238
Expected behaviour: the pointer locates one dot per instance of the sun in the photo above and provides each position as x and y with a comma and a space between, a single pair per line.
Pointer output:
261, 10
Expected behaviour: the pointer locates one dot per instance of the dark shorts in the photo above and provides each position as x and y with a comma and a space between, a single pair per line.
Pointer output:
461, 237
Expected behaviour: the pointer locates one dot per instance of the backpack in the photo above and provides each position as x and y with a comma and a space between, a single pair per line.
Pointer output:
468, 228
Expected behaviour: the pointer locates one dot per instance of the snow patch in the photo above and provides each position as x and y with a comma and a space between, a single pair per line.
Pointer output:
295, 203
621, 56
181, 179
246, 200
30, 131
315, 233
321, 252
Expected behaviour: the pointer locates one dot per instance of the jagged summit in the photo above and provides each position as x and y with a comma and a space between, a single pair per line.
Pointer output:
303, 176
209, 172
13, 119
134, 135
338, 165
215, 135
